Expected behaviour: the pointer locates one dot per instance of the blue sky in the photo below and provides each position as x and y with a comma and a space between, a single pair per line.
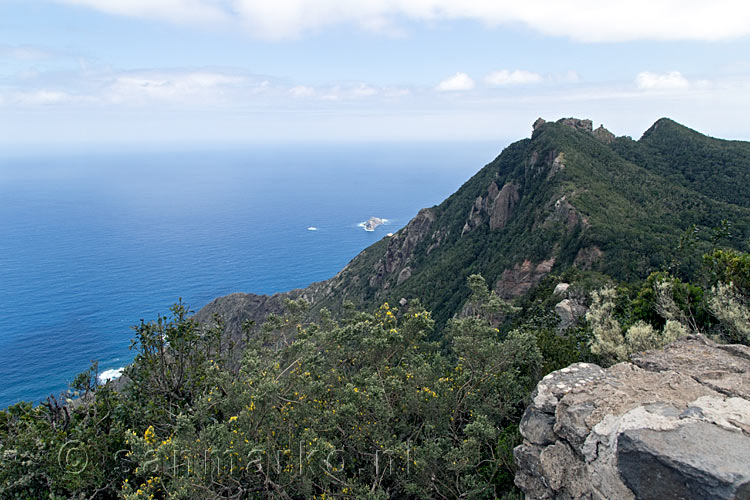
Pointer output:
96, 72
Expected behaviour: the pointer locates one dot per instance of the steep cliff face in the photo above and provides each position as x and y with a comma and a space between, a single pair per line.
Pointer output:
671, 424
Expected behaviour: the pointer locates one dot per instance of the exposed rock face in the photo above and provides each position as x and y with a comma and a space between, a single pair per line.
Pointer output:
521, 277
236, 308
578, 124
538, 123
569, 311
497, 206
401, 247
502, 207
671, 424
604, 135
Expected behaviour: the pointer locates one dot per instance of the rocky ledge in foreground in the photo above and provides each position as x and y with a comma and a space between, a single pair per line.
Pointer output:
671, 424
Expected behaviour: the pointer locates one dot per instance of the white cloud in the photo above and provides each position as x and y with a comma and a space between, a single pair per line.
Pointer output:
665, 81
302, 91
177, 11
457, 82
174, 86
516, 77
23, 52
586, 20
43, 97
364, 90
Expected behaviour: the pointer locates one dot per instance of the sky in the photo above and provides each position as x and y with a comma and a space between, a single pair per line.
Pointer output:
207, 72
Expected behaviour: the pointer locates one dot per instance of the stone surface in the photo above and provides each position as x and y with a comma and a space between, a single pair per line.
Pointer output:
569, 311
578, 124
519, 279
671, 424
604, 135
503, 205
494, 208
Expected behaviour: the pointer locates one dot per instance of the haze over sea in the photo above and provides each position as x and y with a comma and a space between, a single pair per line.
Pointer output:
91, 242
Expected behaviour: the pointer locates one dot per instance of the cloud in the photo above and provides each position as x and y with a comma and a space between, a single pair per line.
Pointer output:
584, 20
169, 88
302, 91
176, 86
516, 77
457, 82
43, 97
177, 11
665, 81
23, 52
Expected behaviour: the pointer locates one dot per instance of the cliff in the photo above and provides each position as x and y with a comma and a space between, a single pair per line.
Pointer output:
670, 424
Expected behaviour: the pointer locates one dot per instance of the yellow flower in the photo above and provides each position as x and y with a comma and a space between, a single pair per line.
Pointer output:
150, 435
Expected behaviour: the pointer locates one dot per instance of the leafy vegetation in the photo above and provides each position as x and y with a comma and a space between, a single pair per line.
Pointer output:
626, 209
376, 401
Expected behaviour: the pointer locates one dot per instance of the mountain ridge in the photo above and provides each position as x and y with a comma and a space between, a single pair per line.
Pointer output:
568, 196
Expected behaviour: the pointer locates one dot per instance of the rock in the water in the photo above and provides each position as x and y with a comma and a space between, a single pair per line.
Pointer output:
673, 424
373, 222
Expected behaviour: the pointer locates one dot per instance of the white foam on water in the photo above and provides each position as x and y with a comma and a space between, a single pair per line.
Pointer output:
112, 374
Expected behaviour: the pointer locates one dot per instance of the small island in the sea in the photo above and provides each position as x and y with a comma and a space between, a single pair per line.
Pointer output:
373, 222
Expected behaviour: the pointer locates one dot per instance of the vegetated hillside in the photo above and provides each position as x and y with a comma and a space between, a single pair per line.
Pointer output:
713, 167
386, 402
569, 196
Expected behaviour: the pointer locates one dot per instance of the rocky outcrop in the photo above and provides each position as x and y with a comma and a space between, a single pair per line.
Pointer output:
521, 277
569, 311
373, 222
604, 135
496, 207
670, 424
503, 205
401, 246
563, 212
236, 308
578, 124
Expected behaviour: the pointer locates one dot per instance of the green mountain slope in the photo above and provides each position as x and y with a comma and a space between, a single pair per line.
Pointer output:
569, 196
713, 167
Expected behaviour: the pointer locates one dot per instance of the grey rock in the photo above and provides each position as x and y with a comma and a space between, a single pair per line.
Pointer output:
569, 311
373, 222
529, 476
561, 289
673, 424
694, 461
604, 135
537, 427
404, 275
578, 124
519, 279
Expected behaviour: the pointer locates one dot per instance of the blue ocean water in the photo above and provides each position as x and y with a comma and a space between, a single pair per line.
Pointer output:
91, 242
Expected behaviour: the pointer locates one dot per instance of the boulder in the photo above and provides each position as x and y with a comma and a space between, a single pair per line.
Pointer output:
569, 311
670, 424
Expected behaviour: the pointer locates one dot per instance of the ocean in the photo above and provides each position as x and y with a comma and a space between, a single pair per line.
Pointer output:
93, 241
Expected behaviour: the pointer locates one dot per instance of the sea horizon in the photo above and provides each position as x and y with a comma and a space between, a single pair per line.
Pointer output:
94, 241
